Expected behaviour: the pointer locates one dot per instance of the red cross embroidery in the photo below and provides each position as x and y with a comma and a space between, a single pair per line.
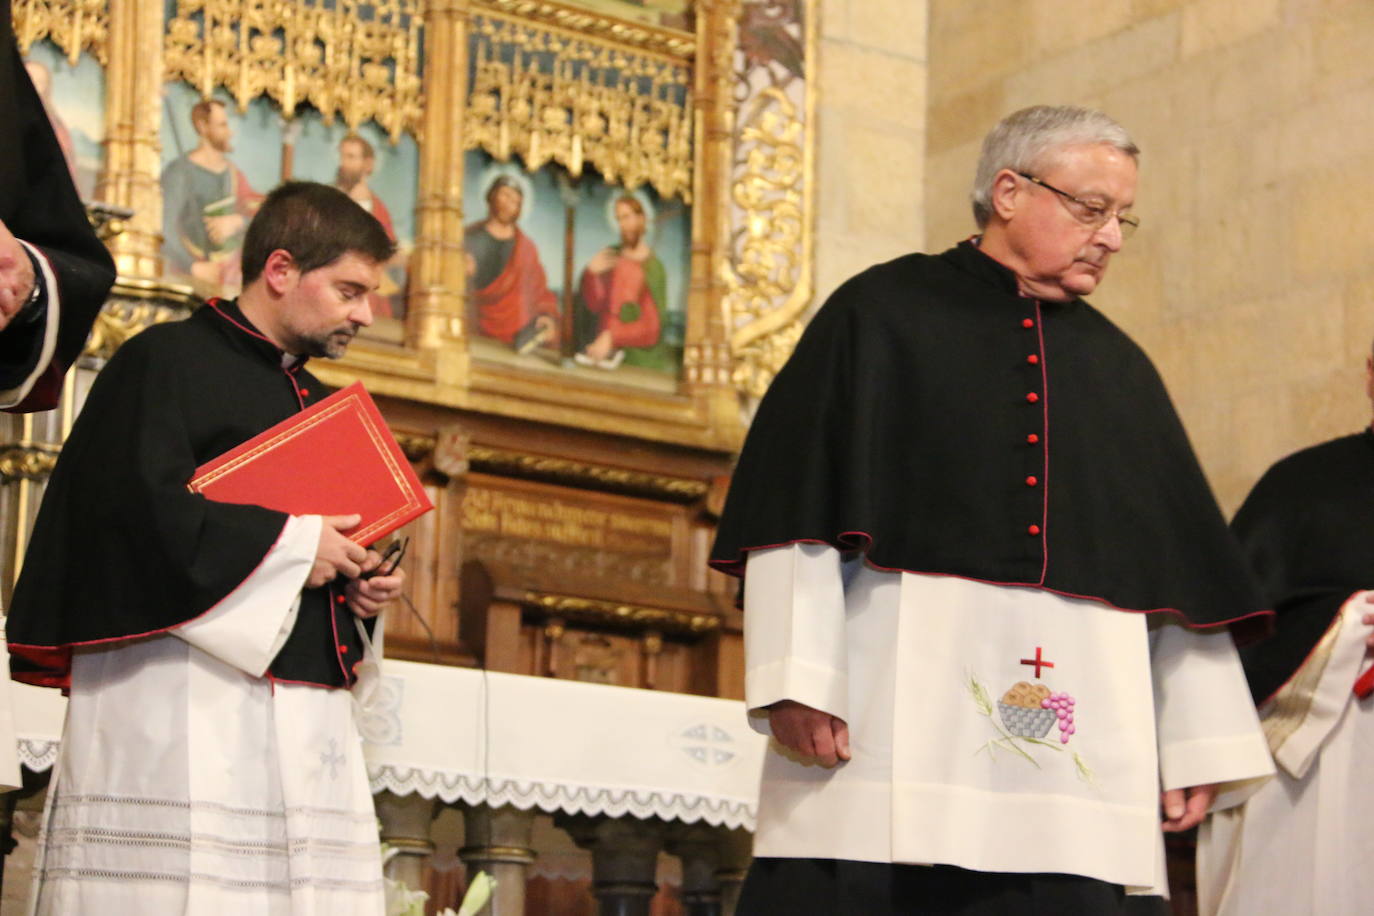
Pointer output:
1038, 662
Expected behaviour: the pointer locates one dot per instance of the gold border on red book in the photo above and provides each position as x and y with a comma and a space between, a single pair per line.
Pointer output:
356, 398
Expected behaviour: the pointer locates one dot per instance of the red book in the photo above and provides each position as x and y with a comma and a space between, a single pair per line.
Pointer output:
336, 457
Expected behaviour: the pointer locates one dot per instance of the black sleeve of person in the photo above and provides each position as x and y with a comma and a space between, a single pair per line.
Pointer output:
21, 344
1307, 529
150, 553
39, 205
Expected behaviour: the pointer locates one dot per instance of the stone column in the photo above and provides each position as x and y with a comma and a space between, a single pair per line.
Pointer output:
736, 852
624, 860
698, 846
406, 822
497, 841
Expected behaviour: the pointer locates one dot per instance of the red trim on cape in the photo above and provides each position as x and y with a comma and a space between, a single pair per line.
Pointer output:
334, 628
282, 680
1044, 447
60, 656
1310, 652
736, 568
214, 306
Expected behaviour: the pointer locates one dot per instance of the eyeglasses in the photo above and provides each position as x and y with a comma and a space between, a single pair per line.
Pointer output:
1088, 213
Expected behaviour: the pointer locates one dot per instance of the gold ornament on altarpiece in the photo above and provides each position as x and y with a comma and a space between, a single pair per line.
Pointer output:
350, 60
772, 185
552, 96
72, 25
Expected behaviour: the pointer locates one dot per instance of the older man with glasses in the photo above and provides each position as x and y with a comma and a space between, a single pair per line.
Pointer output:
989, 595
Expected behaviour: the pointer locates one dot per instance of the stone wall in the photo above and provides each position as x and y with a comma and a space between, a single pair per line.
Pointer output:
871, 139
1251, 281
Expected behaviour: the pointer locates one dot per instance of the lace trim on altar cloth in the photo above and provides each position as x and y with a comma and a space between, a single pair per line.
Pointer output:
571, 798
38, 754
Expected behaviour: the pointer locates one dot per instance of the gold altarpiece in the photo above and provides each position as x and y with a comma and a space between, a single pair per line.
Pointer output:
574, 514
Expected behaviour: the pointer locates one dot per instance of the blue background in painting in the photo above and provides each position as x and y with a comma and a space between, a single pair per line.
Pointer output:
78, 92
542, 219
257, 142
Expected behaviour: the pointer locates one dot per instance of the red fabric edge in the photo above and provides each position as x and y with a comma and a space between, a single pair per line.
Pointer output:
1308, 657
282, 680
214, 305
736, 568
61, 655
1045, 446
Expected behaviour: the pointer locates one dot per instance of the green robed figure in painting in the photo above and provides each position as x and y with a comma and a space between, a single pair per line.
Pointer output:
622, 300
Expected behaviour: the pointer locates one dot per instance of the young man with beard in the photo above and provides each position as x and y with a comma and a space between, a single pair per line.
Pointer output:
209, 762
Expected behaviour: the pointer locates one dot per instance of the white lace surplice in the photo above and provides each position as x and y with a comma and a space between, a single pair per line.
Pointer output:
188, 783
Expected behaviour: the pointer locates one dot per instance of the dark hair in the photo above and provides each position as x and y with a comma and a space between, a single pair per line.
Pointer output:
316, 225
368, 151
200, 112
630, 201
504, 181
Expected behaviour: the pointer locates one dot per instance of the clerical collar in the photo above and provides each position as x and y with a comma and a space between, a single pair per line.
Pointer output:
247, 332
970, 258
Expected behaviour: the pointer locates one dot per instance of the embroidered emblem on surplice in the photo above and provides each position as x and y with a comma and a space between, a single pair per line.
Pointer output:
1024, 716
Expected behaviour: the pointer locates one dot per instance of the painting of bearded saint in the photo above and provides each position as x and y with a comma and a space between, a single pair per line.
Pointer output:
622, 300
508, 292
207, 203
357, 162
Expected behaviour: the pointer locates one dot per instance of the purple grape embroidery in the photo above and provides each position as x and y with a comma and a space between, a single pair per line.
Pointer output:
1062, 704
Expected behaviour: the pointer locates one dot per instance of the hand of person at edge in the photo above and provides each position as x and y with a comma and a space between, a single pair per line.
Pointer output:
1184, 809
16, 276
336, 554
810, 732
369, 597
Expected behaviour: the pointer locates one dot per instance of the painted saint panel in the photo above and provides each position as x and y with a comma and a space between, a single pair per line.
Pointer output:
575, 275
219, 163
671, 14
74, 97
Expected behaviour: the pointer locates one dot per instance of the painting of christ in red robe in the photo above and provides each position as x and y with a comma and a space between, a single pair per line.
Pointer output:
508, 292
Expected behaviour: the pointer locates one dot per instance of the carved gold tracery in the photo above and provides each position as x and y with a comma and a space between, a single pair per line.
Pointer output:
351, 60
549, 94
769, 275
72, 25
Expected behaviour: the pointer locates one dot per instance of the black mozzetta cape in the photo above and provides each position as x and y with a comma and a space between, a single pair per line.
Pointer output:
122, 549
941, 423
39, 206
1308, 529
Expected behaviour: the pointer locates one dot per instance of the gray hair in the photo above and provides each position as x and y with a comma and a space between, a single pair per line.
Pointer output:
1023, 140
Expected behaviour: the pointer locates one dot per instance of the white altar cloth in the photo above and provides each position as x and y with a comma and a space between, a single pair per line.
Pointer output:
553, 744
461, 734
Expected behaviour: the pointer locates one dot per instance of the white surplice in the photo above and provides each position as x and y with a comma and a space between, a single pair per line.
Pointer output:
944, 771
189, 783
1302, 843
